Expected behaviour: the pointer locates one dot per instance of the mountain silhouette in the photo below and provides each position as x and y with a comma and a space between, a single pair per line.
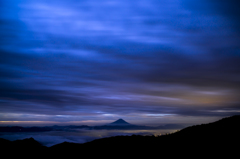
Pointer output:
119, 122
25, 148
213, 140
29, 142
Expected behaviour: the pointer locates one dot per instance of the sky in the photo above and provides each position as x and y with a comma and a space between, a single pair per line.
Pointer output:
93, 62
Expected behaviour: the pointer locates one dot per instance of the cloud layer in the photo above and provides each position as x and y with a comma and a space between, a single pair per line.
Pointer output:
78, 61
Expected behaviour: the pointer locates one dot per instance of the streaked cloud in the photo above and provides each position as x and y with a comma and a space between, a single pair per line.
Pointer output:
85, 60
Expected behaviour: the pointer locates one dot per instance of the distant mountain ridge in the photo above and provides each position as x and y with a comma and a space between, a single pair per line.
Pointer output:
118, 124
213, 140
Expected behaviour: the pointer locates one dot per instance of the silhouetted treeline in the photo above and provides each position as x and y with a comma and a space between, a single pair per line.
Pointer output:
218, 139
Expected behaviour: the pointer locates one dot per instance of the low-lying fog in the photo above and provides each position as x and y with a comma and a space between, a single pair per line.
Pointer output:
77, 136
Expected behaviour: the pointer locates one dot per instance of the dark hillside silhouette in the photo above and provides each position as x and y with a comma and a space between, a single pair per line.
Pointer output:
217, 139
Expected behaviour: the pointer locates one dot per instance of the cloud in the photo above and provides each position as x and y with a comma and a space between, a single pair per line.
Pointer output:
69, 58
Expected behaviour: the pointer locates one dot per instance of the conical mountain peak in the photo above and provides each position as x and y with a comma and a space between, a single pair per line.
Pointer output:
120, 122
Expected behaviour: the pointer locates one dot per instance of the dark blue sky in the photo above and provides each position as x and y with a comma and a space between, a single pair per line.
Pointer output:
146, 61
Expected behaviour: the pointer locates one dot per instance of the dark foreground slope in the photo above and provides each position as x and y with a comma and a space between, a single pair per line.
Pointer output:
218, 139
